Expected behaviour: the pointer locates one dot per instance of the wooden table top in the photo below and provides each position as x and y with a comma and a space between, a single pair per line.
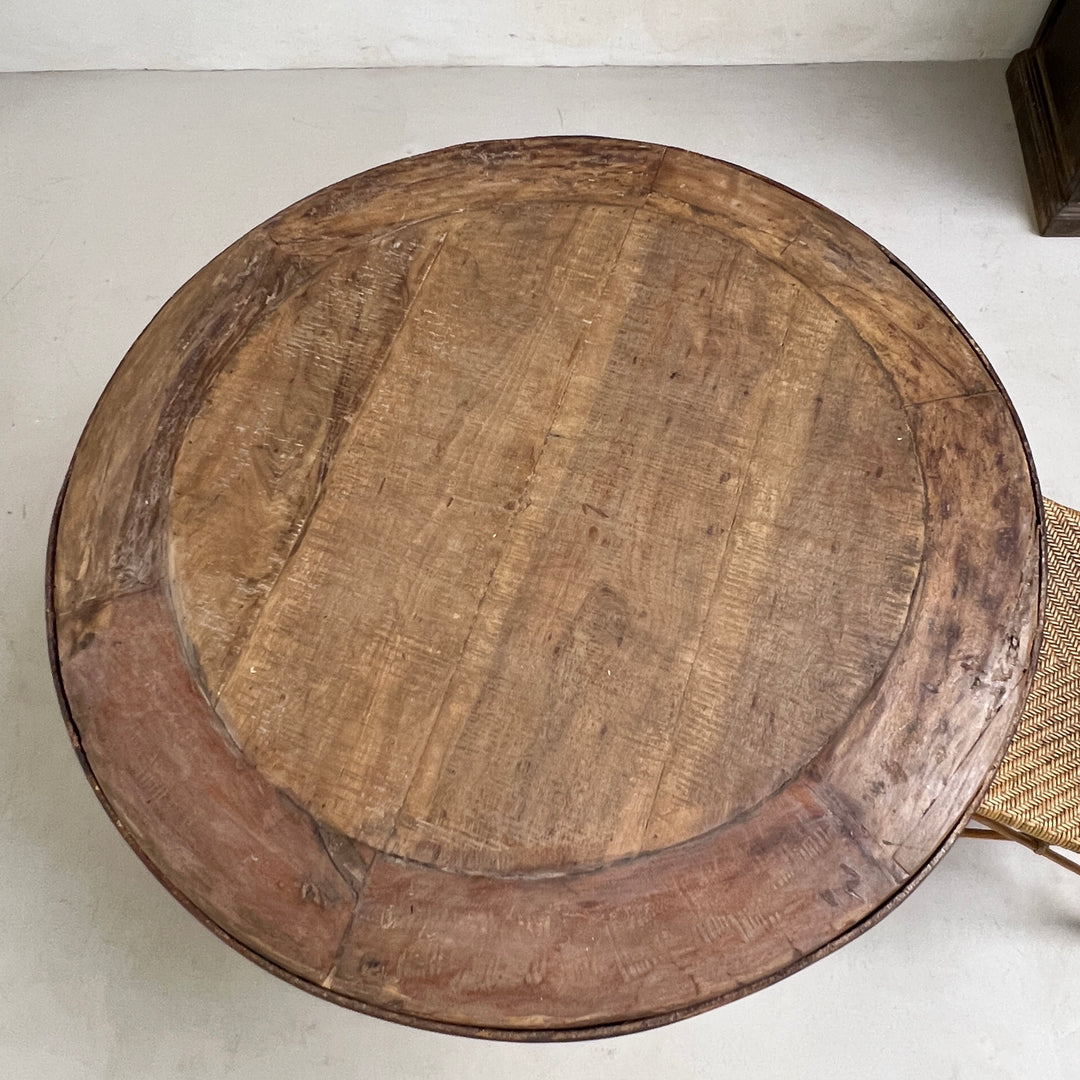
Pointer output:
545, 589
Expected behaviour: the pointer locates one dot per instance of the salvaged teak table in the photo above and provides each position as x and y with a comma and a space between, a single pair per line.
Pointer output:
546, 589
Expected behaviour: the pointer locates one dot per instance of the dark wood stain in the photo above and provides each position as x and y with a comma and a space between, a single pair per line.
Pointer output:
1044, 84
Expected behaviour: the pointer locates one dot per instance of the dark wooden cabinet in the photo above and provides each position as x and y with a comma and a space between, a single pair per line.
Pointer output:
1044, 83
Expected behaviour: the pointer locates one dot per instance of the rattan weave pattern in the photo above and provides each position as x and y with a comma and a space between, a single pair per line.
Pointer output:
1037, 788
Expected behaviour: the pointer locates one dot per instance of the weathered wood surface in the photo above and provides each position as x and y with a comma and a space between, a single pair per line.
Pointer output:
544, 589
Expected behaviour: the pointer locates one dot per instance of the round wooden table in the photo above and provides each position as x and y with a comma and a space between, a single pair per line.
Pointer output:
545, 589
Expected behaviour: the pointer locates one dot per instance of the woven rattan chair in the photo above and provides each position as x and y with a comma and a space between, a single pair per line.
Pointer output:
1035, 796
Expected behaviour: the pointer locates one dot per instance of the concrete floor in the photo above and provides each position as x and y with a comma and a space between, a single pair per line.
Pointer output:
114, 188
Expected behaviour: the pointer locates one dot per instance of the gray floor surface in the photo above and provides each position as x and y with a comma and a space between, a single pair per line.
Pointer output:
114, 188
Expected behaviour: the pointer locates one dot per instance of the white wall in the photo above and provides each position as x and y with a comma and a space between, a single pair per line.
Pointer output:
77, 34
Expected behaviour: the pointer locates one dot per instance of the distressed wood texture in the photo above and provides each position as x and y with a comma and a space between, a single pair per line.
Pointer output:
547, 588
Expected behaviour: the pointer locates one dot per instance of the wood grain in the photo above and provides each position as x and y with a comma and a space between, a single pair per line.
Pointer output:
606, 577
